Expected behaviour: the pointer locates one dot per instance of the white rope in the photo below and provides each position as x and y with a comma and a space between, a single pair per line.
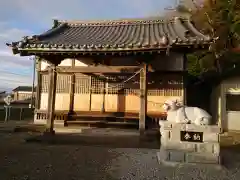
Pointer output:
122, 83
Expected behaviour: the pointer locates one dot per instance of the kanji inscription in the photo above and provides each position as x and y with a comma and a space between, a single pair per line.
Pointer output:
191, 136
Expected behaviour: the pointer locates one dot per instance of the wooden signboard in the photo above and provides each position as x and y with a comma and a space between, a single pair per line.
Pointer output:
191, 136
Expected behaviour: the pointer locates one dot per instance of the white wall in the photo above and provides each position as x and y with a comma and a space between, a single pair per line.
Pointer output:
44, 65
65, 62
62, 99
227, 120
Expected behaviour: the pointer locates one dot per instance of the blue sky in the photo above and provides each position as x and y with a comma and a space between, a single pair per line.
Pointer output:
28, 17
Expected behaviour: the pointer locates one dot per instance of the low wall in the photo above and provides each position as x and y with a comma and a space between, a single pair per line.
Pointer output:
17, 113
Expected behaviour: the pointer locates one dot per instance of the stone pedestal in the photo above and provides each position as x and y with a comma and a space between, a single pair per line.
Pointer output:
189, 143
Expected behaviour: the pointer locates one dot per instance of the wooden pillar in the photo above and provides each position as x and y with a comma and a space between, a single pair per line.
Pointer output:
51, 98
90, 93
72, 91
39, 84
185, 73
104, 97
143, 99
38, 90
106, 92
222, 109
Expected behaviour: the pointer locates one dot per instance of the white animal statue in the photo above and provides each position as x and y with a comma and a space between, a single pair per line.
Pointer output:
184, 114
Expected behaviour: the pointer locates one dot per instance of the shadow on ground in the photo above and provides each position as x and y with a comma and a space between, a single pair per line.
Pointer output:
231, 156
102, 138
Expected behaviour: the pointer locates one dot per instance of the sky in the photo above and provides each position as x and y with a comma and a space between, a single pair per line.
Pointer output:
20, 18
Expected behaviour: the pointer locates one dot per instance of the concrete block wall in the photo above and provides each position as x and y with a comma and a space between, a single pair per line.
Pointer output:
174, 150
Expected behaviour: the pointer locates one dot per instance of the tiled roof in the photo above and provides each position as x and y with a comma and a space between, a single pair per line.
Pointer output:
24, 88
138, 34
2, 92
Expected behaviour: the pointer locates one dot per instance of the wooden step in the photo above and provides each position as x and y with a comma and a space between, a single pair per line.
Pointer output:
102, 123
104, 116
122, 123
87, 122
128, 117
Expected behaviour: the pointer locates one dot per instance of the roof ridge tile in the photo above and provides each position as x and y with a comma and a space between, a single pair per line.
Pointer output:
118, 21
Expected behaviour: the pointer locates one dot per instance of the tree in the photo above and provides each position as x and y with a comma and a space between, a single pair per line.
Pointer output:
221, 20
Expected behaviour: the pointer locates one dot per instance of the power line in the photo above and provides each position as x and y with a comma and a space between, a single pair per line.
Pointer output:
11, 80
8, 72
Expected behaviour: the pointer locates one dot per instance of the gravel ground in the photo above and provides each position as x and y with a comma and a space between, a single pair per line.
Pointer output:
34, 161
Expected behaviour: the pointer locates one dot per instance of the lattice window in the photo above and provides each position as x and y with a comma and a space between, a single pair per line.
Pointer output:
82, 84
175, 82
165, 85
97, 85
134, 92
44, 83
115, 88
63, 83
165, 92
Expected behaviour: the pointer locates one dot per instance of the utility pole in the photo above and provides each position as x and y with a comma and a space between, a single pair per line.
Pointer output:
33, 81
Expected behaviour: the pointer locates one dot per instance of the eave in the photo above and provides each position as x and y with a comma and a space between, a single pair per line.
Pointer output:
121, 51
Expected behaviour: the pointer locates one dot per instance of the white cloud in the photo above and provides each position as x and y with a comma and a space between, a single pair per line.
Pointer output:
5, 53
13, 75
11, 81
13, 64
19, 18
41, 12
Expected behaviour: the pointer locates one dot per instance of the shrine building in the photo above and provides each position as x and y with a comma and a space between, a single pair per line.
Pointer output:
112, 71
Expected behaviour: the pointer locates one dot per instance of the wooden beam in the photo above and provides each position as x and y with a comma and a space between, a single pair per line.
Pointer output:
51, 99
98, 69
143, 99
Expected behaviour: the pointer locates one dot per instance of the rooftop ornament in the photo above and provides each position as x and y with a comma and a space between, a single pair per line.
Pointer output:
164, 41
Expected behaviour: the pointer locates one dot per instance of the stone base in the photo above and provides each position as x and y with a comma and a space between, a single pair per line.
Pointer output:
189, 157
181, 164
176, 150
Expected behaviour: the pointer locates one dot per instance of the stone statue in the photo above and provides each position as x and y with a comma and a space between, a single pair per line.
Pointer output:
178, 113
